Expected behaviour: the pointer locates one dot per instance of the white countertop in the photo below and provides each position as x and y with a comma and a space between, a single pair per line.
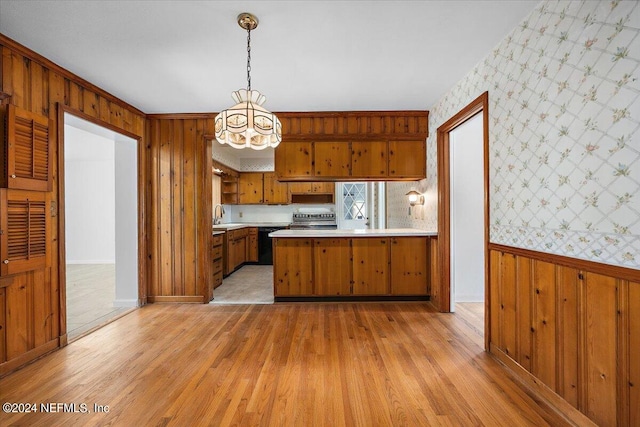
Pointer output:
238, 225
217, 232
385, 232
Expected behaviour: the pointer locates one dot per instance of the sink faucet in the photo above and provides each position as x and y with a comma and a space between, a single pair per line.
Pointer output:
216, 218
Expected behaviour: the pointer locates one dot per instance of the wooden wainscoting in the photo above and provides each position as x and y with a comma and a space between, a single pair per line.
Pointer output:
180, 240
32, 319
573, 326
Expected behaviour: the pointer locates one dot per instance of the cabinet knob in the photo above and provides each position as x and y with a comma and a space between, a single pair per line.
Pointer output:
13, 175
6, 261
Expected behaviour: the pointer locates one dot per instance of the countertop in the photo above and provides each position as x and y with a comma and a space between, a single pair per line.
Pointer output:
217, 232
238, 225
385, 232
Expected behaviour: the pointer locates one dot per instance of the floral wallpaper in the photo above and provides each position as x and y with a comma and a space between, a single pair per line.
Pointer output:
564, 93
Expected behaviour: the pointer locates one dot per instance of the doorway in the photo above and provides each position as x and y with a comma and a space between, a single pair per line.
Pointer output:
100, 173
458, 251
467, 227
360, 205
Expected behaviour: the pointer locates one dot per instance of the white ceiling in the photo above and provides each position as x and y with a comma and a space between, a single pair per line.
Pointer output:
187, 56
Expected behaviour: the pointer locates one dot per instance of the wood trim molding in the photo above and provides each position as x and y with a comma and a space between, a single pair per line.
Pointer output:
555, 401
33, 56
176, 298
96, 121
30, 356
142, 162
479, 104
623, 273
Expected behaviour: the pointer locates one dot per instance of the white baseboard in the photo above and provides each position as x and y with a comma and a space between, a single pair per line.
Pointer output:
91, 261
125, 303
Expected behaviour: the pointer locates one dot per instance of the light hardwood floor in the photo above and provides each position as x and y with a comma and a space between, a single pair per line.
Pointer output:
90, 290
333, 364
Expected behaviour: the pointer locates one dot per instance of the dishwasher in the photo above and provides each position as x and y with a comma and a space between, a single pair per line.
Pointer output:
265, 247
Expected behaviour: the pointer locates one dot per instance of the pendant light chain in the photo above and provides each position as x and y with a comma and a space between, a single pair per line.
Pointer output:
247, 124
249, 58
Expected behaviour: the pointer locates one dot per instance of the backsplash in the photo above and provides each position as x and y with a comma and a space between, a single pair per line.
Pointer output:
264, 213
564, 115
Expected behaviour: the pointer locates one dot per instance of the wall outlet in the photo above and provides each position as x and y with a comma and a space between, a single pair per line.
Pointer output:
240, 214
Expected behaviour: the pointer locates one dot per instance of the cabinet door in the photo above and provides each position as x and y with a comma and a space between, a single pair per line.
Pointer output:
250, 188
294, 159
29, 150
323, 187
409, 266
407, 159
230, 260
24, 231
300, 187
332, 159
369, 159
332, 266
370, 266
275, 192
252, 247
241, 251
292, 267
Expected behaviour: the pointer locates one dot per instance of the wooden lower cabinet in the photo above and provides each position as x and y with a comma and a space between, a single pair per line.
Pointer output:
370, 266
293, 267
252, 245
408, 274
332, 266
351, 267
217, 252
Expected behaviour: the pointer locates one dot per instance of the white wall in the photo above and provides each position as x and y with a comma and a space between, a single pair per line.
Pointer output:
261, 213
89, 197
126, 220
467, 211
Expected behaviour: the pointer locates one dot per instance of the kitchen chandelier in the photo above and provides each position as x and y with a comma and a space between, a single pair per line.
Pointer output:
247, 124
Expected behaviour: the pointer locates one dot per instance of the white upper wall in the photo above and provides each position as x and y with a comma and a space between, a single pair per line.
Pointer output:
89, 197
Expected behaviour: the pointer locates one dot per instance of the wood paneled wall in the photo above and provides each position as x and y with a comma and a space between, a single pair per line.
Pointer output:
32, 310
573, 325
180, 211
334, 125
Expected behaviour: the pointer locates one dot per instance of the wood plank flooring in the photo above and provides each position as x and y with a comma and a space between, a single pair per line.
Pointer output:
333, 364
91, 289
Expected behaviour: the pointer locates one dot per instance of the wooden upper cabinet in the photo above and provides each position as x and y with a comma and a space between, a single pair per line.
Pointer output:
332, 159
323, 187
275, 192
250, 188
27, 152
24, 231
369, 159
408, 159
294, 159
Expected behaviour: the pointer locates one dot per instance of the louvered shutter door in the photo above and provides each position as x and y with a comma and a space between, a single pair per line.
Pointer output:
23, 238
28, 150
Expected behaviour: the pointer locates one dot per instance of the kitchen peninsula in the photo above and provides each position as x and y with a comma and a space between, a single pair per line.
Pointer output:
375, 264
